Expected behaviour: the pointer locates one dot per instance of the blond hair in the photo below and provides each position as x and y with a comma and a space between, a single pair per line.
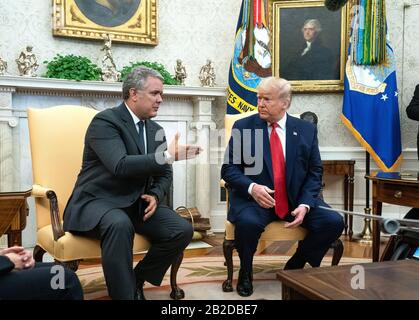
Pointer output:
278, 85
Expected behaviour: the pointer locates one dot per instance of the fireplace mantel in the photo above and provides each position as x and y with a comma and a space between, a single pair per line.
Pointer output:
48, 86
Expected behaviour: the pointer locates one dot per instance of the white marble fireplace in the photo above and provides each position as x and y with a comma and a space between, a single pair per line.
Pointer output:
189, 110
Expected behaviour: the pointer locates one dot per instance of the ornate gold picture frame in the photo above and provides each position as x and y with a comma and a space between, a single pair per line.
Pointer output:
314, 61
132, 21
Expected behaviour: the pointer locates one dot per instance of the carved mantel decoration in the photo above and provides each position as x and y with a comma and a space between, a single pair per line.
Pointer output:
132, 21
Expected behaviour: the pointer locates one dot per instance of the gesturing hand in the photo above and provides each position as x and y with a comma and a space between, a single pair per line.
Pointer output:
262, 195
182, 152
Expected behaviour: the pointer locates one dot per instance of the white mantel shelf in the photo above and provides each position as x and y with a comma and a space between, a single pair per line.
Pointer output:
35, 84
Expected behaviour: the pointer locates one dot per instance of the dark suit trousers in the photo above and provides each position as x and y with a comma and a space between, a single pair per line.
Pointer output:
323, 226
35, 284
168, 233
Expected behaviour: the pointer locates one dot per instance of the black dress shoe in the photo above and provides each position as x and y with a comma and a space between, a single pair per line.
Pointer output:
295, 262
244, 284
139, 294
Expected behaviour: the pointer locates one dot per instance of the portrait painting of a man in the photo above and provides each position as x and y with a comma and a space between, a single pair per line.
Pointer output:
310, 44
108, 13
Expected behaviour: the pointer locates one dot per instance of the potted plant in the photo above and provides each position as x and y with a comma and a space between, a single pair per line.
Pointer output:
168, 78
72, 67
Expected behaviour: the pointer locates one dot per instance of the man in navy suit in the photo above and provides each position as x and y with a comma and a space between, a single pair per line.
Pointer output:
273, 168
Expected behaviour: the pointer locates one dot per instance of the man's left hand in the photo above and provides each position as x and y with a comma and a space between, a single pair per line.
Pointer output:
152, 205
299, 214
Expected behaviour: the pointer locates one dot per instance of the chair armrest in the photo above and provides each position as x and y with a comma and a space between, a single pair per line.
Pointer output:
43, 192
224, 184
39, 191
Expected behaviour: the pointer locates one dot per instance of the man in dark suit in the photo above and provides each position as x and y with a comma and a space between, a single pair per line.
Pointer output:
273, 168
313, 61
23, 279
125, 175
412, 111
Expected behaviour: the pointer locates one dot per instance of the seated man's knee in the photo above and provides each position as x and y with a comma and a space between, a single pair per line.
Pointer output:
121, 223
187, 231
246, 225
337, 223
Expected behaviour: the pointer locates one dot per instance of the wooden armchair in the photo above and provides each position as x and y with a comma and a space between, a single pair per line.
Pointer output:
56, 141
275, 231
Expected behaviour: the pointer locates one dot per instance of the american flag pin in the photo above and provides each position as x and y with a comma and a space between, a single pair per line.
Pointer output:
295, 133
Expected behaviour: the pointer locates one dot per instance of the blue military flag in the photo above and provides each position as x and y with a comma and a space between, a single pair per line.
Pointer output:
252, 58
371, 110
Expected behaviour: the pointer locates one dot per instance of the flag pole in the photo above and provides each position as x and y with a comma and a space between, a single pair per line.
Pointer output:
366, 235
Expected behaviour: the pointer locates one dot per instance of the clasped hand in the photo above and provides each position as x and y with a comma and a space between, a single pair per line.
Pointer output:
182, 152
264, 197
21, 258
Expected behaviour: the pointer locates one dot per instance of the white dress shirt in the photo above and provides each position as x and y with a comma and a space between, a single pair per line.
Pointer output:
281, 130
168, 157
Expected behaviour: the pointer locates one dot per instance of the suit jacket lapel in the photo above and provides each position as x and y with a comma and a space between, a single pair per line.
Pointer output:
266, 150
291, 146
126, 117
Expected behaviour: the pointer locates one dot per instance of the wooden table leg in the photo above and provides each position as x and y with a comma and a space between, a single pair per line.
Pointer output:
14, 238
376, 209
345, 201
351, 183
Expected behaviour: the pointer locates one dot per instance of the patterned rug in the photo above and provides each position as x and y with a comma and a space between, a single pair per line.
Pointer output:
201, 279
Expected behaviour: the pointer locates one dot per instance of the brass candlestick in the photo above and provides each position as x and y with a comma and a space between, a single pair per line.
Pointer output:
365, 236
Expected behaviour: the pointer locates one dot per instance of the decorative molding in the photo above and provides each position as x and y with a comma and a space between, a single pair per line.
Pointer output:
198, 99
410, 160
7, 89
199, 125
13, 122
61, 87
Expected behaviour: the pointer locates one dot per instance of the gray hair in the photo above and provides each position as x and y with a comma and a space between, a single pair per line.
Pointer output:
315, 23
137, 79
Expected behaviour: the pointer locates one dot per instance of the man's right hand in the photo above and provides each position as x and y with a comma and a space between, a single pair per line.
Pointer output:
262, 195
182, 152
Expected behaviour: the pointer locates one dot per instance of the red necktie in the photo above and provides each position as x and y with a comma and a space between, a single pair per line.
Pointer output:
278, 166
